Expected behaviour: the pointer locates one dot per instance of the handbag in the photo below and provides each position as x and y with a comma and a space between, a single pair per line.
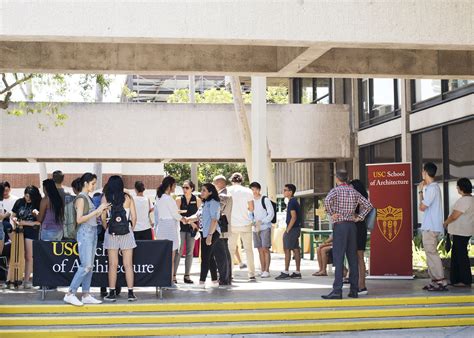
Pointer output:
371, 218
447, 241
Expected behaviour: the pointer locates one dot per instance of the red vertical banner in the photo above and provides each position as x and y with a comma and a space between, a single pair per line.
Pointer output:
390, 192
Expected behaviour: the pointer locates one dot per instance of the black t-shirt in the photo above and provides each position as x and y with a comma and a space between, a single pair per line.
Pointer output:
23, 210
293, 205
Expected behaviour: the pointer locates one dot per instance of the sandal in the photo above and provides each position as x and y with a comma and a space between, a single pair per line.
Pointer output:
188, 280
319, 273
346, 280
437, 288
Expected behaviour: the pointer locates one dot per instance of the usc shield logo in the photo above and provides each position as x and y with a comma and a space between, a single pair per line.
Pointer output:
389, 221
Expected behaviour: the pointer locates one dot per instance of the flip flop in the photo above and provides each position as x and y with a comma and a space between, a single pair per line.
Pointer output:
319, 273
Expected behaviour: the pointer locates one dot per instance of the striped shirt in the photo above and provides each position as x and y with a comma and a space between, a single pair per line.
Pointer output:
343, 201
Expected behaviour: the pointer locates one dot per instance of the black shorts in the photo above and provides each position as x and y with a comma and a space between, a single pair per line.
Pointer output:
361, 235
31, 232
144, 235
291, 240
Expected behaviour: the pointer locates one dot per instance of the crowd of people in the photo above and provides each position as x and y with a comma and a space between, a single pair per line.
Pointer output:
225, 218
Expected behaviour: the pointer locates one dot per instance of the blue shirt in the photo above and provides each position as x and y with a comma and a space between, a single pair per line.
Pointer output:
210, 210
293, 205
433, 214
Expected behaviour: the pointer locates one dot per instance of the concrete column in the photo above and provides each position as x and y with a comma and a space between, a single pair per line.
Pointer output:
355, 128
192, 99
98, 172
259, 131
43, 173
405, 108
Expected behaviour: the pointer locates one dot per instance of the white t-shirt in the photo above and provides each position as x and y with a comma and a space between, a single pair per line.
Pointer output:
240, 211
166, 208
464, 225
142, 204
260, 214
9, 202
433, 215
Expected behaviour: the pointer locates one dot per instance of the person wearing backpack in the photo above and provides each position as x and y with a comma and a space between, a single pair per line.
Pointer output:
119, 234
86, 219
263, 215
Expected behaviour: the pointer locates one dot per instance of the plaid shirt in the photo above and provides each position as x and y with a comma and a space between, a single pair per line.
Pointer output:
343, 200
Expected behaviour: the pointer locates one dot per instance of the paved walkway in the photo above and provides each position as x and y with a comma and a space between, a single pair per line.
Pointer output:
308, 288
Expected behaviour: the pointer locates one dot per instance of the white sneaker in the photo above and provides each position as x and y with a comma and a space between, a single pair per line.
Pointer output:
72, 299
27, 285
265, 274
90, 300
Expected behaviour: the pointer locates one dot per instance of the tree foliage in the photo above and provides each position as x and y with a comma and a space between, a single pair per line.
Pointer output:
55, 86
206, 171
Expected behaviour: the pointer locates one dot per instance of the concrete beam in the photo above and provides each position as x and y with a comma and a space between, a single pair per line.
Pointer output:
295, 63
401, 63
57, 57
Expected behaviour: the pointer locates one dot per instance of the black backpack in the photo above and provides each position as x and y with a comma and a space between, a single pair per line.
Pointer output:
118, 222
274, 205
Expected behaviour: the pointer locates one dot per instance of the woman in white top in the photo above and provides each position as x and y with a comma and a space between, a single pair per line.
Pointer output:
460, 225
143, 229
168, 215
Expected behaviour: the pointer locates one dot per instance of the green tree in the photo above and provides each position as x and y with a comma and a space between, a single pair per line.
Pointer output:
207, 171
56, 85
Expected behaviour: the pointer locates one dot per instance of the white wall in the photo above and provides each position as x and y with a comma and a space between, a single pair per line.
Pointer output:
151, 132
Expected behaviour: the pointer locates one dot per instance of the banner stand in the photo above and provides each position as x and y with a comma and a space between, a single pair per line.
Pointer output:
55, 263
390, 192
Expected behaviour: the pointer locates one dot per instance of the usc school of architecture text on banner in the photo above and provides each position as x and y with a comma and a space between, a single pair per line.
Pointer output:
391, 239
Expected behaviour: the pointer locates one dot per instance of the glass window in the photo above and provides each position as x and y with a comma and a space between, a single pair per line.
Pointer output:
307, 205
426, 89
399, 94
461, 149
365, 116
382, 97
322, 91
456, 84
431, 148
307, 90
384, 152
364, 159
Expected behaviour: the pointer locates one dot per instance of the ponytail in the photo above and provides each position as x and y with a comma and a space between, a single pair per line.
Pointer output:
168, 182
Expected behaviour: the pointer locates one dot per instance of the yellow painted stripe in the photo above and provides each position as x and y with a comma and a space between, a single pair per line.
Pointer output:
241, 329
233, 317
229, 306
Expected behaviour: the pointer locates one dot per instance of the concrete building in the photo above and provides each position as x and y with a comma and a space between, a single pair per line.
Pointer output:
390, 81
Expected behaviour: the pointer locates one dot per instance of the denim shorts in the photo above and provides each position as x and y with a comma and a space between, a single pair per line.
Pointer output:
51, 234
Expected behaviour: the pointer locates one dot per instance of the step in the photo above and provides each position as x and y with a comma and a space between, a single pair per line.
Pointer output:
171, 319
241, 328
241, 316
229, 306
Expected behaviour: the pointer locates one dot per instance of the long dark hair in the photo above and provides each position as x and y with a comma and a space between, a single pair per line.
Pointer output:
168, 182
2, 190
35, 196
55, 200
86, 178
359, 187
214, 195
114, 193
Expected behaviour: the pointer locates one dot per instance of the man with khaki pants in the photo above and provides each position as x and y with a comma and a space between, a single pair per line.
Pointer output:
242, 204
432, 226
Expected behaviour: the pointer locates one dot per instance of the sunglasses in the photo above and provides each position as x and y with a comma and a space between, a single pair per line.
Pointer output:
186, 188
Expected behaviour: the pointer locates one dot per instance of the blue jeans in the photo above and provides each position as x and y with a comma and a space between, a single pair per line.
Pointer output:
87, 244
51, 234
